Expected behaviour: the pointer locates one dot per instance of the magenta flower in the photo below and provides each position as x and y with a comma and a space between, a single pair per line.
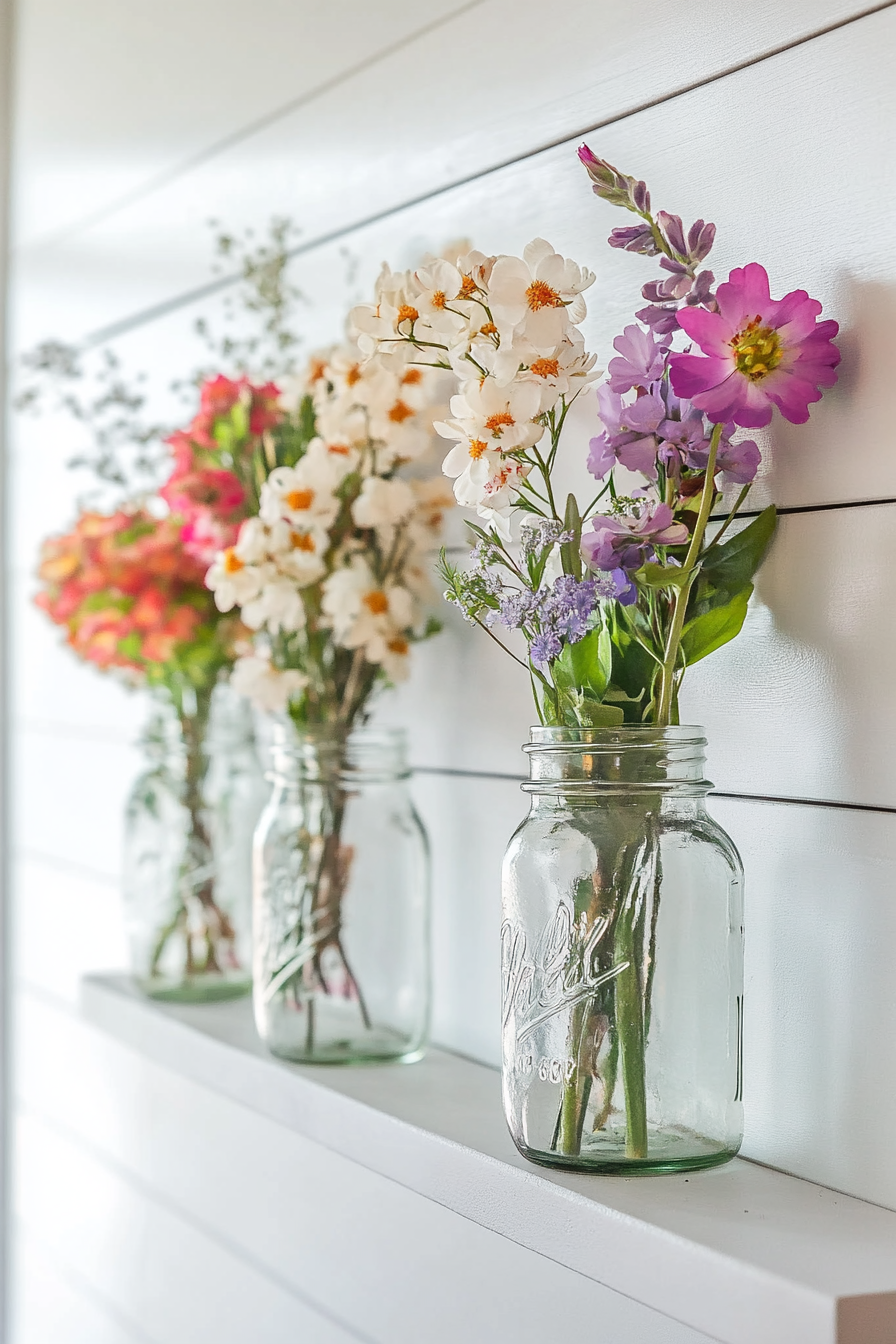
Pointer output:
627, 542
757, 352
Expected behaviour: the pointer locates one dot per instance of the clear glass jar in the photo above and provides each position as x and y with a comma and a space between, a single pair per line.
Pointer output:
622, 957
341, 902
189, 822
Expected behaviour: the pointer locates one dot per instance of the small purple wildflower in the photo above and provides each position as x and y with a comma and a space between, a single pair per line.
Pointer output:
642, 359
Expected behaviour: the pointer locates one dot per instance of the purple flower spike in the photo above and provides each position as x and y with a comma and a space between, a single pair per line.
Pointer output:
673, 229
635, 238
701, 237
642, 360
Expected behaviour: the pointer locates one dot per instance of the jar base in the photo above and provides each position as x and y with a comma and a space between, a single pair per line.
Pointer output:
197, 989
669, 1151
350, 1055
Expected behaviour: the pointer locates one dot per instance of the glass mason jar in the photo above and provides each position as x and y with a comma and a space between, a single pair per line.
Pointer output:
622, 957
189, 822
341, 902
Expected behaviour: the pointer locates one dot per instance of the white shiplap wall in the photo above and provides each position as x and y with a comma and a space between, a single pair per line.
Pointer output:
384, 130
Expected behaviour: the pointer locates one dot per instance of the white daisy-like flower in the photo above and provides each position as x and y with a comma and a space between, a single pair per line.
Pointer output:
268, 687
233, 582
303, 494
360, 610
538, 295
278, 607
501, 417
383, 504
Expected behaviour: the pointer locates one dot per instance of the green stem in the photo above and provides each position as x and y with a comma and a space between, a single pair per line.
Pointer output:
682, 593
630, 1028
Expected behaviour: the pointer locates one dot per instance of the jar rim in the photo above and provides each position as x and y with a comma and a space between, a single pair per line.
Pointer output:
563, 737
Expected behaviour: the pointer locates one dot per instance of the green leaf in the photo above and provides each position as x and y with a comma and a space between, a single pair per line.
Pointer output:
570, 556
586, 665
732, 565
596, 715
661, 576
710, 630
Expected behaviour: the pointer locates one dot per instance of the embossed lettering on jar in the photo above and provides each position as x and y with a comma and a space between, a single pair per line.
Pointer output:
622, 950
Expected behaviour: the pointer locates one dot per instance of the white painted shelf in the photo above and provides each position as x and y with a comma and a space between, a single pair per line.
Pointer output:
742, 1253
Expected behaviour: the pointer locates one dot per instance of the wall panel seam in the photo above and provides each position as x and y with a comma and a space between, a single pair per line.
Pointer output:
152, 314
82, 1286
253, 127
451, 772
184, 1215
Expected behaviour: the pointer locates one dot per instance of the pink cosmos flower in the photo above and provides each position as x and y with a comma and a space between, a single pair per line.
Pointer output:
757, 352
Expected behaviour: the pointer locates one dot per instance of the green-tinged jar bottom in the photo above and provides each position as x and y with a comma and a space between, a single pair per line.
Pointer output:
668, 1151
377, 1047
206, 988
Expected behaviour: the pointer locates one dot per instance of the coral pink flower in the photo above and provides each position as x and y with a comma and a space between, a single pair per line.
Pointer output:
757, 352
207, 489
125, 589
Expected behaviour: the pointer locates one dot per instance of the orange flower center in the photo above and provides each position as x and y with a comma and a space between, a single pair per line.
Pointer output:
411, 376
438, 299
341, 449
303, 541
488, 329
498, 422
317, 370
354, 375
545, 368
400, 412
376, 602
477, 448
398, 645
299, 499
232, 563
468, 287
406, 314
757, 350
540, 295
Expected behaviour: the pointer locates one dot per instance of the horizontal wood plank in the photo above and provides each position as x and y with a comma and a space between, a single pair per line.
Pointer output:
319, 1225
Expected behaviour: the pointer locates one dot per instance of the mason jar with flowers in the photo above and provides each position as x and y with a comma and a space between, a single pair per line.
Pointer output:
331, 573
622, 936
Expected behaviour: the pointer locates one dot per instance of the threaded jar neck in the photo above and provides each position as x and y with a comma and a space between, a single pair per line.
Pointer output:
317, 754
632, 758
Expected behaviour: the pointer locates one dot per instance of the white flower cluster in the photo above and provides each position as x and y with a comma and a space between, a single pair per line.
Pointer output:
507, 326
315, 522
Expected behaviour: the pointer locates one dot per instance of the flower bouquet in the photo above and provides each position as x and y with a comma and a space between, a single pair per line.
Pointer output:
330, 571
131, 598
621, 943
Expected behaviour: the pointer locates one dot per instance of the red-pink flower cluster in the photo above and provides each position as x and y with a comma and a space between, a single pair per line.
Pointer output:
124, 588
208, 497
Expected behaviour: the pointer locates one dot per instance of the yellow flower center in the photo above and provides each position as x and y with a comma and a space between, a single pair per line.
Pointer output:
477, 448
488, 329
303, 541
377, 603
411, 377
299, 499
438, 299
545, 368
400, 412
498, 422
540, 295
757, 350
232, 563
406, 314
398, 645
468, 287
354, 375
